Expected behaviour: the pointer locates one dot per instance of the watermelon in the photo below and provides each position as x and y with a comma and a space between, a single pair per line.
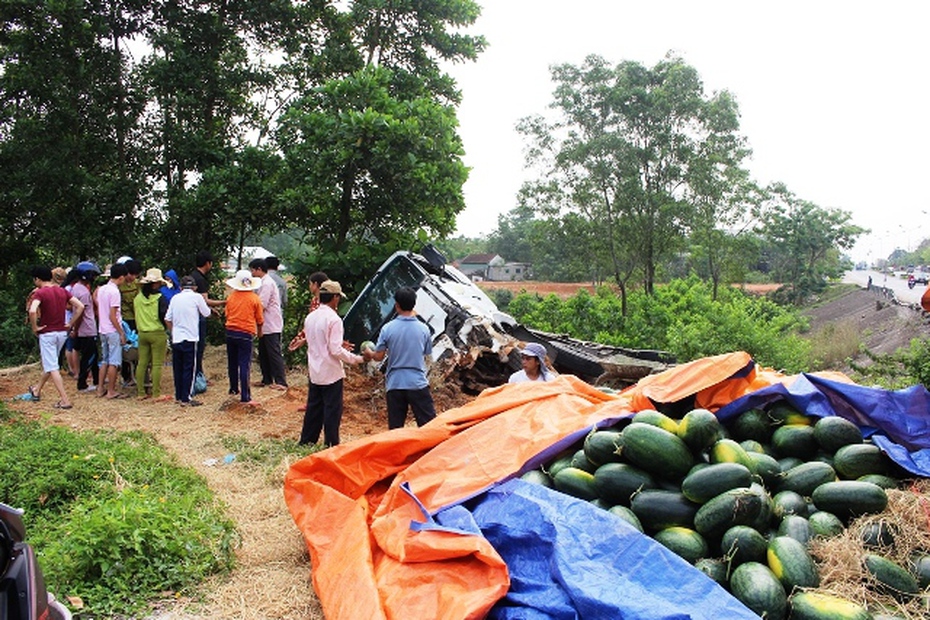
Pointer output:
741, 544
834, 432
754, 424
575, 482
850, 498
714, 568
795, 527
728, 451
684, 542
755, 585
736, 507
891, 577
657, 509
602, 447
812, 605
656, 418
658, 451
537, 476
791, 563
627, 515
617, 482
806, 477
857, 460
825, 524
795, 440
699, 429
708, 482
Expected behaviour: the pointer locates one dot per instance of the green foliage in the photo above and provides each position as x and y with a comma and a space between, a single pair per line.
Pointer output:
897, 370
501, 297
19, 343
682, 317
116, 519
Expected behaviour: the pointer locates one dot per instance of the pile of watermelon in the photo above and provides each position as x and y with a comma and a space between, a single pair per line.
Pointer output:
741, 501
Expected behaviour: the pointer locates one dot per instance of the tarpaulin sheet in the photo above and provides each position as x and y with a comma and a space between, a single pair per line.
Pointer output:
431, 522
898, 421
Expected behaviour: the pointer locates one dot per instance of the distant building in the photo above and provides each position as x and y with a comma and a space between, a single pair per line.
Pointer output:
492, 267
230, 265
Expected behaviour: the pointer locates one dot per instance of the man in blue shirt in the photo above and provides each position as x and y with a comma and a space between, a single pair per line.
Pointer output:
405, 341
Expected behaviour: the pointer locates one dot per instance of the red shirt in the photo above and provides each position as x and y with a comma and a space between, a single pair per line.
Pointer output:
53, 301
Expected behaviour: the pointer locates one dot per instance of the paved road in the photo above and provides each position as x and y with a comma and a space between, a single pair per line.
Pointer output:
898, 285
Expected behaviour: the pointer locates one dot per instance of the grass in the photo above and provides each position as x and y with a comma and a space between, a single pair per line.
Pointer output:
117, 522
834, 344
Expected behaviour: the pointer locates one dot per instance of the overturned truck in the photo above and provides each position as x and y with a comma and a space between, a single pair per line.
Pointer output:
474, 342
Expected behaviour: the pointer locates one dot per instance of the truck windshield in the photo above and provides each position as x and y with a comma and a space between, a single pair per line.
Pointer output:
375, 306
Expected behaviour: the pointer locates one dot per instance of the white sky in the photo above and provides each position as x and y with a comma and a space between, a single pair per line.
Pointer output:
833, 96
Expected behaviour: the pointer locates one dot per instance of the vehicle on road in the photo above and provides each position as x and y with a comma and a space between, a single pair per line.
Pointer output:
918, 277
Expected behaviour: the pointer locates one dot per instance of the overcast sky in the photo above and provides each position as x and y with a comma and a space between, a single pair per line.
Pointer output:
833, 96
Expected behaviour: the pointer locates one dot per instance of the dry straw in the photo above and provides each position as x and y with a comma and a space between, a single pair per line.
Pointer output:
840, 559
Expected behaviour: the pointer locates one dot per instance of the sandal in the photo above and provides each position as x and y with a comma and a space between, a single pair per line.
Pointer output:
120, 395
59, 405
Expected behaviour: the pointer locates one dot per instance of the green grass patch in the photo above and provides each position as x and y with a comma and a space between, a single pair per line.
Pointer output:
834, 345
270, 456
115, 520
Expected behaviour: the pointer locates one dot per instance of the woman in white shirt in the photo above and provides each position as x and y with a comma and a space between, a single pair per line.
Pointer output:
533, 357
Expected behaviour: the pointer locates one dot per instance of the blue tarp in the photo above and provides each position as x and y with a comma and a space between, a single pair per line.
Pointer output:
898, 421
603, 569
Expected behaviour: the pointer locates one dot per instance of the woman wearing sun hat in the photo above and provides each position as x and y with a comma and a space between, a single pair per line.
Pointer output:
533, 357
244, 321
150, 307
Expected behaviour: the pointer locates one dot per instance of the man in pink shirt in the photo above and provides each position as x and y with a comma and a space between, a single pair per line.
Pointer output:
270, 356
325, 358
110, 331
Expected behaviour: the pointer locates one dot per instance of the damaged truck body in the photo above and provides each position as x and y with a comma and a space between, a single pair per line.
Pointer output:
474, 342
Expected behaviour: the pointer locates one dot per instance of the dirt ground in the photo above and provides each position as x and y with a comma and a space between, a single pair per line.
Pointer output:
272, 580
883, 327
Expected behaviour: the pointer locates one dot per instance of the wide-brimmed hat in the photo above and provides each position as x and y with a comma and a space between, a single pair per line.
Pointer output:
244, 281
152, 276
333, 287
59, 274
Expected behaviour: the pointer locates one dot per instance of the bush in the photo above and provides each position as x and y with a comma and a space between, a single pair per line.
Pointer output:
681, 317
115, 519
897, 370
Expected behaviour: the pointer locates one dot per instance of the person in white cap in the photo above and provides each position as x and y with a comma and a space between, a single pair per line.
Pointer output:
533, 357
325, 358
244, 320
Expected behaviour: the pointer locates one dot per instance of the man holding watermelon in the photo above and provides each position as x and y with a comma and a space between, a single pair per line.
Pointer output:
405, 341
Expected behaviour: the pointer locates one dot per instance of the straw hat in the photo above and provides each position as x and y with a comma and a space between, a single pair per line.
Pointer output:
152, 276
244, 281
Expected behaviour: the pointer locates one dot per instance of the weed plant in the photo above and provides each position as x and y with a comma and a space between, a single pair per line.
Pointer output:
115, 520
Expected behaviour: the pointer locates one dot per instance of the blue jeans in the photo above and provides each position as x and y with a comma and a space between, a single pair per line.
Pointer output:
183, 362
239, 363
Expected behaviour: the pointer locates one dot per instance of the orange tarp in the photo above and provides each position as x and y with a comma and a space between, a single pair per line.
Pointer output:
356, 504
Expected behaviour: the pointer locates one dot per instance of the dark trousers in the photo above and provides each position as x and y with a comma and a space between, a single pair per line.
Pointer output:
271, 359
239, 363
86, 347
421, 401
201, 344
324, 412
183, 362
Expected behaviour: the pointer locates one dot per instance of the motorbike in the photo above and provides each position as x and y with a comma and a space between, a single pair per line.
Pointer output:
23, 595
911, 281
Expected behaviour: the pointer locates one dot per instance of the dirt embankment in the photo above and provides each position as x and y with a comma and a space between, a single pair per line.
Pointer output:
881, 325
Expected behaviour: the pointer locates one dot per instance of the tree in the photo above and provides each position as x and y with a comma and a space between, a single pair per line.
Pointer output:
365, 166
807, 240
634, 150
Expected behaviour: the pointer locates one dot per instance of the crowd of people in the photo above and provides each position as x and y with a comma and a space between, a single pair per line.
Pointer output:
92, 326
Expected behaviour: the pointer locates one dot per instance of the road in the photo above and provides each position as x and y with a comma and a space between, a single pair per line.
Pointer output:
897, 284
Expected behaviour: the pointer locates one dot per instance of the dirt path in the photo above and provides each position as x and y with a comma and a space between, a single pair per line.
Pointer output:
272, 578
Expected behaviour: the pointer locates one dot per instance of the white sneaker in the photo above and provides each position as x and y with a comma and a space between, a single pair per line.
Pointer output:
90, 388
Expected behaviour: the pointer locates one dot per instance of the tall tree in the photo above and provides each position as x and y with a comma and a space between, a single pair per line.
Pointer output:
71, 180
628, 149
807, 240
